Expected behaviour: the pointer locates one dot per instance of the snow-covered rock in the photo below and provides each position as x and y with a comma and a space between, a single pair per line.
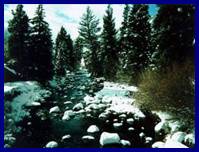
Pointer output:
162, 126
93, 129
51, 144
33, 104
104, 116
80, 112
54, 109
117, 125
9, 139
9, 90
87, 138
88, 99
125, 143
142, 135
131, 129
189, 139
107, 138
174, 144
158, 144
178, 136
68, 114
148, 140
130, 121
78, 106
66, 137
122, 116
68, 103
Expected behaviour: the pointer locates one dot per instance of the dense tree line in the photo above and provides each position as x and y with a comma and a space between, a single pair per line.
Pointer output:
138, 45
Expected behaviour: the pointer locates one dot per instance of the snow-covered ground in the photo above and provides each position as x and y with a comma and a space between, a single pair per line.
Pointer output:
28, 93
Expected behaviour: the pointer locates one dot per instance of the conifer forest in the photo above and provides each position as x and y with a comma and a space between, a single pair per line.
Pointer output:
125, 79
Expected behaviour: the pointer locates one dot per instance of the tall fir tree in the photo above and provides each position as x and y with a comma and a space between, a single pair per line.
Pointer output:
41, 47
19, 30
78, 48
64, 53
60, 53
71, 54
109, 45
123, 38
174, 34
139, 39
88, 31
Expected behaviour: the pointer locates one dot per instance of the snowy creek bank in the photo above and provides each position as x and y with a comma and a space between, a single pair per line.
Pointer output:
79, 111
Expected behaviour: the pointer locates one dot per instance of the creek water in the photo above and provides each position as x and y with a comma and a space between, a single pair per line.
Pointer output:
37, 132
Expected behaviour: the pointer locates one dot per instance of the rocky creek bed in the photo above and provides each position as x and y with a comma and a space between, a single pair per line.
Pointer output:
78, 111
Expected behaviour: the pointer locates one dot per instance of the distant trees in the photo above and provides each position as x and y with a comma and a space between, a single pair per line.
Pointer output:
109, 45
89, 33
78, 48
65, 55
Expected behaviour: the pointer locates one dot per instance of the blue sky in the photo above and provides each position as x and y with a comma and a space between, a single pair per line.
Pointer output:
68, 15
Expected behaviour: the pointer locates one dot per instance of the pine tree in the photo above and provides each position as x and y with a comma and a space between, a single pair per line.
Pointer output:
18, 28
60, 53
109, 45
78, 47
6, 55
88, 31
71, 58
174, 34
123, 39
64, 53
138, 39
41, 47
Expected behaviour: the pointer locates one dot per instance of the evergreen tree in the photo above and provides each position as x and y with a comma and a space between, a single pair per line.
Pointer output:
78, 47
109, 45
139, 39
6, 55
60, 53
18, 28
64, 53
71, 58
123, 40
88, 31
174, 34
41, 47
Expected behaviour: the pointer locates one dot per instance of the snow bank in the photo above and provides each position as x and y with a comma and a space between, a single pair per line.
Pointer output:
118, 86
29, 94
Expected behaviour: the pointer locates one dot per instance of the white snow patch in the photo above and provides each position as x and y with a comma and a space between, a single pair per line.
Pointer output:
8, 89
178, 136
158, 144
174, 144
